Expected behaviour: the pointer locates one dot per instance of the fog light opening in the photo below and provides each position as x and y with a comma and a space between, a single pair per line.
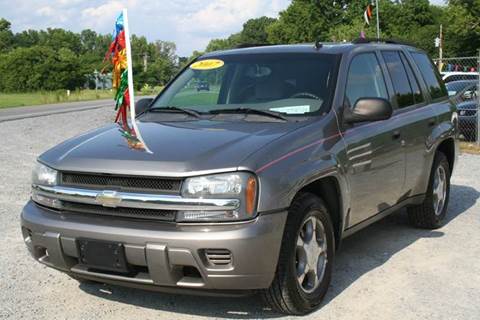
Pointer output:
191, 272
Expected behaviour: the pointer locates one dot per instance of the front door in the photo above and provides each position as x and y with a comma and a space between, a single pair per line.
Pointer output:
375, 157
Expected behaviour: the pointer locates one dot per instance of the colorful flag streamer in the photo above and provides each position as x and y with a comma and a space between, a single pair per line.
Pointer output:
119, 55
367, 15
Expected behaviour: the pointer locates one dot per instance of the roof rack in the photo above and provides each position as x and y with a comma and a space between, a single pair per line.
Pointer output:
390, 41
252, 45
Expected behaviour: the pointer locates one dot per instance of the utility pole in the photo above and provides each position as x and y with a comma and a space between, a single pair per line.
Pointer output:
145, 62
378, 20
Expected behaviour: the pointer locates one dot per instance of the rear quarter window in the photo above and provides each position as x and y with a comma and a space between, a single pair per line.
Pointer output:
430, 75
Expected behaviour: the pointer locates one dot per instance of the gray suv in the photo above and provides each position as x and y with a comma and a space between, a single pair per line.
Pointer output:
251, 186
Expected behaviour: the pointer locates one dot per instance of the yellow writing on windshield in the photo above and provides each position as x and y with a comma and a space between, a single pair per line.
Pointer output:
208, 64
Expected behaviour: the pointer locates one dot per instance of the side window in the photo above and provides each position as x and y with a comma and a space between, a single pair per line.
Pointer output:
417, 93
401, 83
365, 79
430, 75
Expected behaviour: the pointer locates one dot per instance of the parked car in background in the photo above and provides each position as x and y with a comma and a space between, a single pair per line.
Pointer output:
457, 75
465, 95
203, 86
251, 188
455, 87
468, 106
467, 119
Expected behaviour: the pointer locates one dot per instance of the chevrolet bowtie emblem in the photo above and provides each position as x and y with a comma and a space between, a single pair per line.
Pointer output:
108, 199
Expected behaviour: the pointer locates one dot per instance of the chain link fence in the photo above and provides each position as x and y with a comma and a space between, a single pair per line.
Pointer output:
461, 76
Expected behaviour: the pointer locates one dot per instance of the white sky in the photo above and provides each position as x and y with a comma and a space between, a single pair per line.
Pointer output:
189, 23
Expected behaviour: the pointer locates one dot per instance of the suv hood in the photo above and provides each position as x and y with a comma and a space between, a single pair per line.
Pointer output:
467, 105
177, 148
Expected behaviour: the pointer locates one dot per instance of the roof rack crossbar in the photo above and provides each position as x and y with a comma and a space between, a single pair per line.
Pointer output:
390, 41
252, 45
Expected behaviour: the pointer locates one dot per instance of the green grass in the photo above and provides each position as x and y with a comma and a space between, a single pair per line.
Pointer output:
192, 97
8, 100
470, 147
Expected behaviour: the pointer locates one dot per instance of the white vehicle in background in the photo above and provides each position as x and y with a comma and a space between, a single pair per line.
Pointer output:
458, 75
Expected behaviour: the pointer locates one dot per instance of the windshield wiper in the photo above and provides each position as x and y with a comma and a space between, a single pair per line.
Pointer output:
190, 112
271, 114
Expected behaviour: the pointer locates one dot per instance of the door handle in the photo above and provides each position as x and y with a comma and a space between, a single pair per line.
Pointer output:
396, 135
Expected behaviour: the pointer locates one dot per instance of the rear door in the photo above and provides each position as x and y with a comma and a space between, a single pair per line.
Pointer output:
436, 110
375, 159
413, 115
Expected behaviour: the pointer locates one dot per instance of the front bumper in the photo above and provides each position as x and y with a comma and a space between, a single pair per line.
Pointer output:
161, 252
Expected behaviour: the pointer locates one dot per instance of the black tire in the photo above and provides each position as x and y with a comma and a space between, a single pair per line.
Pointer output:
285, 294
423, 215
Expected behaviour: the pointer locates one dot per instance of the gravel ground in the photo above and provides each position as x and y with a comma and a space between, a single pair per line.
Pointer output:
387, 271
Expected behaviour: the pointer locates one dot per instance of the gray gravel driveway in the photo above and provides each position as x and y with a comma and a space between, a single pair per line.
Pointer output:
387, 271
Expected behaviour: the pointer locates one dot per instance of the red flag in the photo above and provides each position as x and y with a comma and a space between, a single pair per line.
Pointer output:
367, 15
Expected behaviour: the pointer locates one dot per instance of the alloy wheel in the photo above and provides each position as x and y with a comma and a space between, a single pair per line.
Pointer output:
311, 254
439, 190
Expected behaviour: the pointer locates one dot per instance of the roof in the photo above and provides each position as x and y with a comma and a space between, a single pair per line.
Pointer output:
329, 48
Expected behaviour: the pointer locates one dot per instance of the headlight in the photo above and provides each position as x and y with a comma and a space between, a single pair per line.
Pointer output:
45, 176
238, 185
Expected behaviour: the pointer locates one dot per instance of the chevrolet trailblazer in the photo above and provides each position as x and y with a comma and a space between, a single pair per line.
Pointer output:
250, 186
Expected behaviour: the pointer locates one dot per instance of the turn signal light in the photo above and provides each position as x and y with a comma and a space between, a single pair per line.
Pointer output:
250, 195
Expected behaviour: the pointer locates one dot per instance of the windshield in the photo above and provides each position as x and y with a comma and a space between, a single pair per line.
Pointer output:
288, 84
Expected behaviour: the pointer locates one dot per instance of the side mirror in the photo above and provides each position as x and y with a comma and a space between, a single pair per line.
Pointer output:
368, 109
142, 105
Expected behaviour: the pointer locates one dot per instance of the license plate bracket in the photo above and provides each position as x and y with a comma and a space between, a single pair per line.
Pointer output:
103, 255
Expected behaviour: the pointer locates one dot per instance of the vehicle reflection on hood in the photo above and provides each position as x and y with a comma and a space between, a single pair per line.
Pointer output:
134, 139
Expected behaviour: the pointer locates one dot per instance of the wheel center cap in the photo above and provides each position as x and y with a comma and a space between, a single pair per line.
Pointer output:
313, 252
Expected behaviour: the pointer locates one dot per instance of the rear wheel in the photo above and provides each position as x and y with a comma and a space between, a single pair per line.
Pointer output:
431, 213
305, 263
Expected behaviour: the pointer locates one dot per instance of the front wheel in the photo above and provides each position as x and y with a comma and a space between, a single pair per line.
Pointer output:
431, 213
305, 264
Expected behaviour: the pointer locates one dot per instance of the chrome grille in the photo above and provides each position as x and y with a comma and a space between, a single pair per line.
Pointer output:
124, 183
137, 213
218, 257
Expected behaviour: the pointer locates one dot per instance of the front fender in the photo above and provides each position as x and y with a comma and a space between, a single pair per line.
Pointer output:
281, 181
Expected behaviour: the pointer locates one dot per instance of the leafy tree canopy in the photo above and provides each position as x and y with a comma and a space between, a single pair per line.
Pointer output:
414, 21
55, 59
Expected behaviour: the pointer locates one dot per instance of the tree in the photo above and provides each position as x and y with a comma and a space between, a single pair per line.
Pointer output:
255, 30
27, 38
462, 31
40, 68
224, 44
59, 38
6, 35
306, 21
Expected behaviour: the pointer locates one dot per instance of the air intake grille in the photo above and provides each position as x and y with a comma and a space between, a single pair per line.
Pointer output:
125, 183
146, 214
218, 257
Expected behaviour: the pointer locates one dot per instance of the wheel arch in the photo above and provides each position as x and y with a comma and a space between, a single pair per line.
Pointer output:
447, 147
328, 188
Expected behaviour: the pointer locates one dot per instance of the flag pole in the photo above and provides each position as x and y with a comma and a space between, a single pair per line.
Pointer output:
378, 20
131, 90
